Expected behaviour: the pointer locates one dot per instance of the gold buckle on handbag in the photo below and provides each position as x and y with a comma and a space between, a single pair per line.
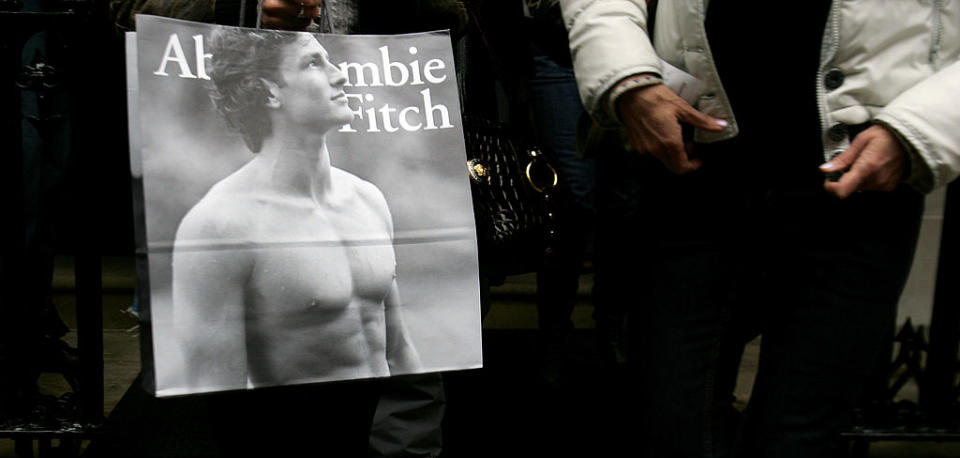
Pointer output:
552, 178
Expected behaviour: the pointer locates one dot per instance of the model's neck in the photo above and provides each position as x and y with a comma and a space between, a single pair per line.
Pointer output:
297, 162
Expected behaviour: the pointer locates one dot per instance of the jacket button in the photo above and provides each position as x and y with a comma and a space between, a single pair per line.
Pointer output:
833, 79
837, 133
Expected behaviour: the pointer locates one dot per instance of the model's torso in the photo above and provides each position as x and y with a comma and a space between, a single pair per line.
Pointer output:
314, 299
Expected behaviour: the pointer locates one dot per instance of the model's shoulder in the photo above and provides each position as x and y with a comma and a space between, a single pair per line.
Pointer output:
219, 214
358, 186
364, 194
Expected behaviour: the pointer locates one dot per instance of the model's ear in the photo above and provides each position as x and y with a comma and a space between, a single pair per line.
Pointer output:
274, 99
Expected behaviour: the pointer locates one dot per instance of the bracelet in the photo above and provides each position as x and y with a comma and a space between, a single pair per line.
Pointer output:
629, 83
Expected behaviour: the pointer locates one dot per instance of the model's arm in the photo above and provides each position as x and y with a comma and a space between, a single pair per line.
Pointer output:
402, 357
208, 303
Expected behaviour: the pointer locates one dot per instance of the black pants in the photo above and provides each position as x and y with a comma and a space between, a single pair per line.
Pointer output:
739, 247
325, 420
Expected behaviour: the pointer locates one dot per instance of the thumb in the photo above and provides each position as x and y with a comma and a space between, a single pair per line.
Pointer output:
843, 160
700, 120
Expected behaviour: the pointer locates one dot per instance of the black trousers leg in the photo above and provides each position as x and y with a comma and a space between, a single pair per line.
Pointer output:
822, 275
833, 305
326, 420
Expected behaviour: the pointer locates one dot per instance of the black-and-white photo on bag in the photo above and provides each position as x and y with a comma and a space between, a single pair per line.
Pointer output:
305, 212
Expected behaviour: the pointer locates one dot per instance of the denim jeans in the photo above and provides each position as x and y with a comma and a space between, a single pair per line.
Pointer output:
712, 257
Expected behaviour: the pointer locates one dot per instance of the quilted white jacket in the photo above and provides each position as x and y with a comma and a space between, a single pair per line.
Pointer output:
895, 62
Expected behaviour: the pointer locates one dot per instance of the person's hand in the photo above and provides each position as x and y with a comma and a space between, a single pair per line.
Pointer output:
289, 14
875, 161
652, 116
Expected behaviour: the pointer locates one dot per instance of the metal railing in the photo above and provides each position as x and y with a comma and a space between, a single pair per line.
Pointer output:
45, 81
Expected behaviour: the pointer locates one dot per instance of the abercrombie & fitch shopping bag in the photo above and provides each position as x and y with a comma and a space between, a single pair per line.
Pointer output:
305, 214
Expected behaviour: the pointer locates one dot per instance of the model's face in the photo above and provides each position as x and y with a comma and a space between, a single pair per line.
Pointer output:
313, 92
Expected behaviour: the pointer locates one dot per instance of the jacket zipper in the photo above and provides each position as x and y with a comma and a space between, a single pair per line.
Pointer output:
936, 36
826, 55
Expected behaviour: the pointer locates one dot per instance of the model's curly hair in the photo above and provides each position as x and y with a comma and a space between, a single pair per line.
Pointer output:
241, 59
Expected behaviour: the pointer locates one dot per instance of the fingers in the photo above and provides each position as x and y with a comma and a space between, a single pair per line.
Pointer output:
845, 159
653, 116
874, 161
849, 183
677, 159
289, 14
669, 147
701, 120
662, 139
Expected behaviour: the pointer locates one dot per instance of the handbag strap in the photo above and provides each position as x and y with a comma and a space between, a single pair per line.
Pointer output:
491, 55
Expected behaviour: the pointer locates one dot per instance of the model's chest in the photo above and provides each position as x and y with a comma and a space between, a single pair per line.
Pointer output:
315, 261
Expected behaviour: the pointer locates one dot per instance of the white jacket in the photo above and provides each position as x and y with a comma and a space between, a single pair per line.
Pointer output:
898, 63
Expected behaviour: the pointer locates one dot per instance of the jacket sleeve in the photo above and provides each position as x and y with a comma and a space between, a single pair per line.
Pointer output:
927, 116
608, 42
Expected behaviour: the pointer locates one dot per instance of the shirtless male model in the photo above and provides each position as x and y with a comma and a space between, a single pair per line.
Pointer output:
285, 272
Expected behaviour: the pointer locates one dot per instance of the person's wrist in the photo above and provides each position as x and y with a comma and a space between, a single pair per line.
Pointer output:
916, 172
628, 84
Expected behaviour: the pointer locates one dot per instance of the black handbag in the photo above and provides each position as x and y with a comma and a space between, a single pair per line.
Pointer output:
511, 182
512, 200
